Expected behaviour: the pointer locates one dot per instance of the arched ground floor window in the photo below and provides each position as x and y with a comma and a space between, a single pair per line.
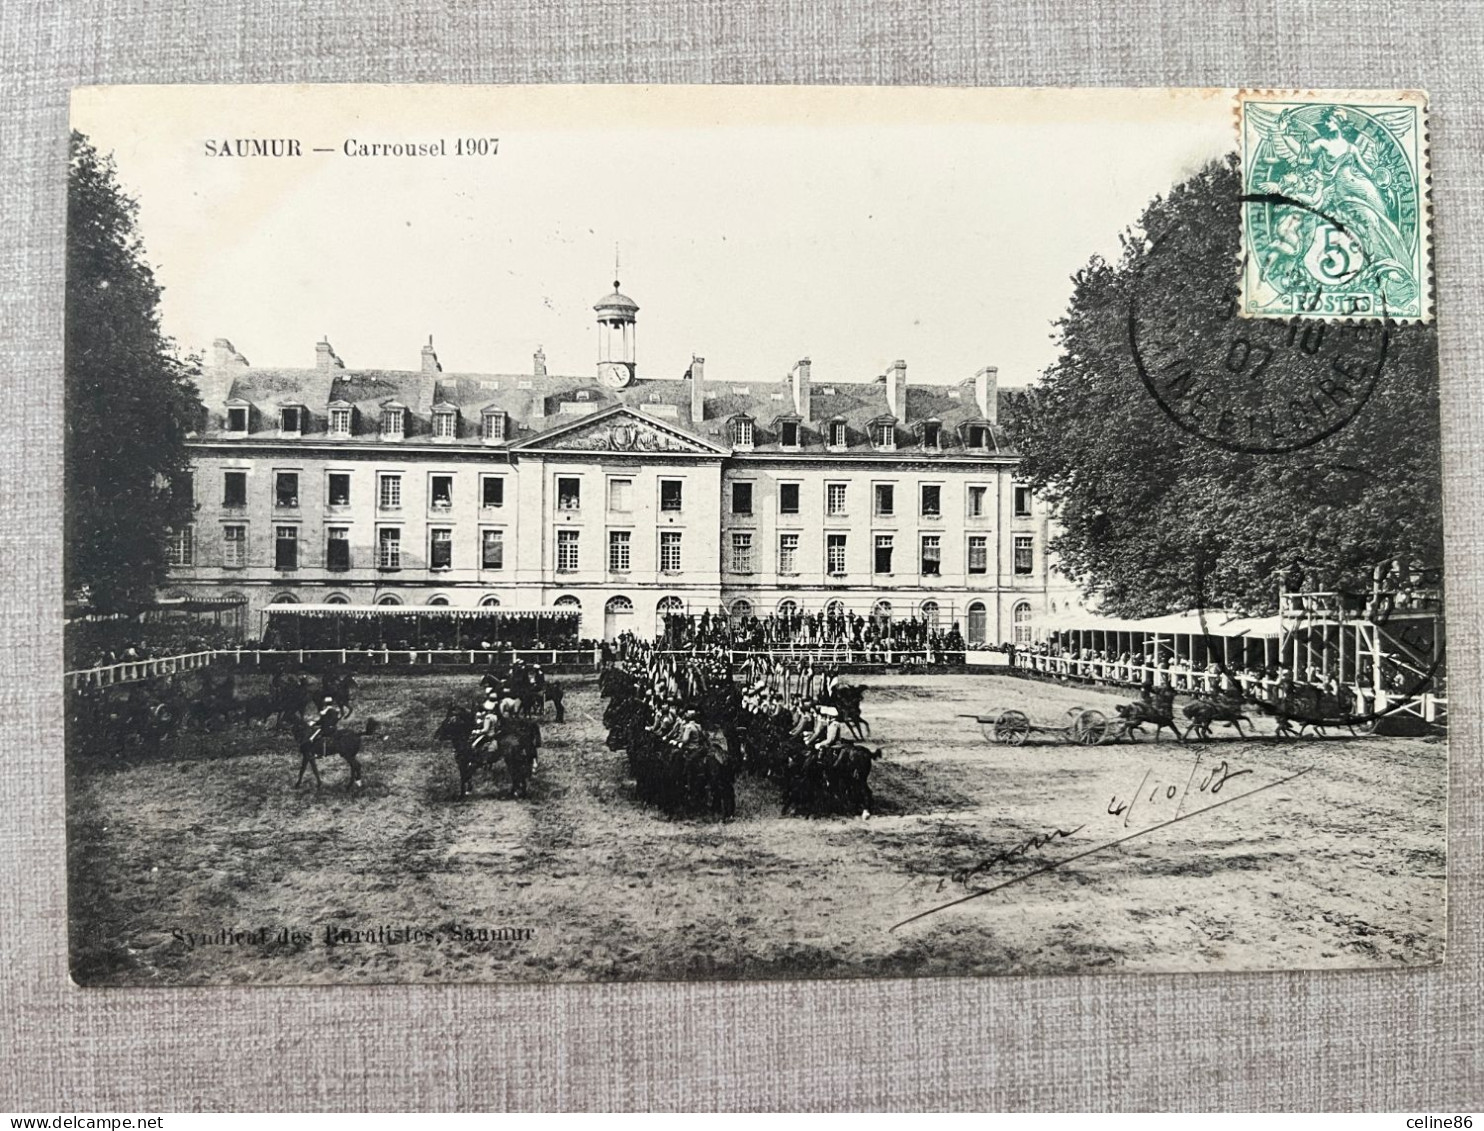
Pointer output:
667, 607
978, 623
1020, 618
618, 617
930, 613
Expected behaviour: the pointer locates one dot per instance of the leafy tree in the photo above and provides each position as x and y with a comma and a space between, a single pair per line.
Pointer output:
1154, 519
130, 400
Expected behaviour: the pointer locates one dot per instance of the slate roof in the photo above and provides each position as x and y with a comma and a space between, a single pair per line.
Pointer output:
534, 404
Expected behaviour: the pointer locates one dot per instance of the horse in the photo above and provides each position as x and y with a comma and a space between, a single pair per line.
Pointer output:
290, 701
515, 745
1203, 712
533, 699
1158, 709
846, 699
1311, 708
711, 768
339, 686
345, 743
836, 777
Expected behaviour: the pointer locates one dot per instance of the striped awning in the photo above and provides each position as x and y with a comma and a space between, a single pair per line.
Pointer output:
367, 612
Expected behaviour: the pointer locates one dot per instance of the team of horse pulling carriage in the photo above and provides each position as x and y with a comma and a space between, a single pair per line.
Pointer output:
1297, 711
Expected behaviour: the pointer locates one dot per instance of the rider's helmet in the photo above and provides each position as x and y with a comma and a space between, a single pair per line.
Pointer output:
329, 700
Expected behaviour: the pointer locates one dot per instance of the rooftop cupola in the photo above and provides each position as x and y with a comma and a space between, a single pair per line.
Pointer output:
616, 355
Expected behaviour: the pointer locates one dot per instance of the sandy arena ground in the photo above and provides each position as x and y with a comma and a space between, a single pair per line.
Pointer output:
1343, 866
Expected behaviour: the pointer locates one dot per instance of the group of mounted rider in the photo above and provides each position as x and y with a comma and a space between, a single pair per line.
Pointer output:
502, 726
689, 727
1295, 707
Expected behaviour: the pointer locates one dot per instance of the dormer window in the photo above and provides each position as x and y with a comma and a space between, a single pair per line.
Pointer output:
788, 433
340, 421
237, 418
291, 420
884, 435
445, 423
583, 395
932, 435
978, 436
837, 433
393, 422
494, 427
742, 432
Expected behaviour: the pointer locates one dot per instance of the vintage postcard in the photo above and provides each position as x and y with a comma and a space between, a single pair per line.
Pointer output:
616, 533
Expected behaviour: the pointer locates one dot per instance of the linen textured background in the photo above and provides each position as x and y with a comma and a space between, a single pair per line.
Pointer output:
1405, 1039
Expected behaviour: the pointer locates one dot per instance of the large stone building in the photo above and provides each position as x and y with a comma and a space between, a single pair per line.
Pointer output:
624, 494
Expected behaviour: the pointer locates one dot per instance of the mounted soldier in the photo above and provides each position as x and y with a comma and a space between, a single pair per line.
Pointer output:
826, 733
326, 722
486, 724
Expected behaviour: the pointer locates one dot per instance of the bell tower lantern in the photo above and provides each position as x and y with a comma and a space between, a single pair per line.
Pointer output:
616, 358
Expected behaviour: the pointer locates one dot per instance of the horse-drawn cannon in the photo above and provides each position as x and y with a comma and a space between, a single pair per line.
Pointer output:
1085, 725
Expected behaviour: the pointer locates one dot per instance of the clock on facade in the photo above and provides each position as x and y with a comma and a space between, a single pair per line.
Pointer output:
615, 374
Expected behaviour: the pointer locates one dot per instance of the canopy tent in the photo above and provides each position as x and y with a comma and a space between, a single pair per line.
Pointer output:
1194, 622
478, 612
418, 626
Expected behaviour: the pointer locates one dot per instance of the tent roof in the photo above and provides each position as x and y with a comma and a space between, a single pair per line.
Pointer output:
1193, 622
362, 611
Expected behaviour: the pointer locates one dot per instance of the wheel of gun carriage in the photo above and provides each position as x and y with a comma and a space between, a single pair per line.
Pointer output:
1090, 727
1012, 728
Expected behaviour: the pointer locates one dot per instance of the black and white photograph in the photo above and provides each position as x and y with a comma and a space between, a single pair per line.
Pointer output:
582, 533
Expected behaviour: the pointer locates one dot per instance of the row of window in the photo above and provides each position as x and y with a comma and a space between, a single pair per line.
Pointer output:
883, 499
286, 494
883, 434
338, 494
287, 540
295, 420
568, 560
930, 554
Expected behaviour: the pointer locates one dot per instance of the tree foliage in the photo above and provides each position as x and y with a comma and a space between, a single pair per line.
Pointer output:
130, 400
1154, 519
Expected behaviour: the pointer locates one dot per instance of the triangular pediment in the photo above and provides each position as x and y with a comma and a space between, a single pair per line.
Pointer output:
620, 429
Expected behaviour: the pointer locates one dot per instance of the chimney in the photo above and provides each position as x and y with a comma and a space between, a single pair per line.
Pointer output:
324, 355
430, 359
987, 393
225, 356
697, 375
800, 381
896, 390
539, 368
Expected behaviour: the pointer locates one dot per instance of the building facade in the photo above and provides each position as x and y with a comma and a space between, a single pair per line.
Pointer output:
625, 495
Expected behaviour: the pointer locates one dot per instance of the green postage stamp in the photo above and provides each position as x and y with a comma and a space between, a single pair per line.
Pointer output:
1335, 216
